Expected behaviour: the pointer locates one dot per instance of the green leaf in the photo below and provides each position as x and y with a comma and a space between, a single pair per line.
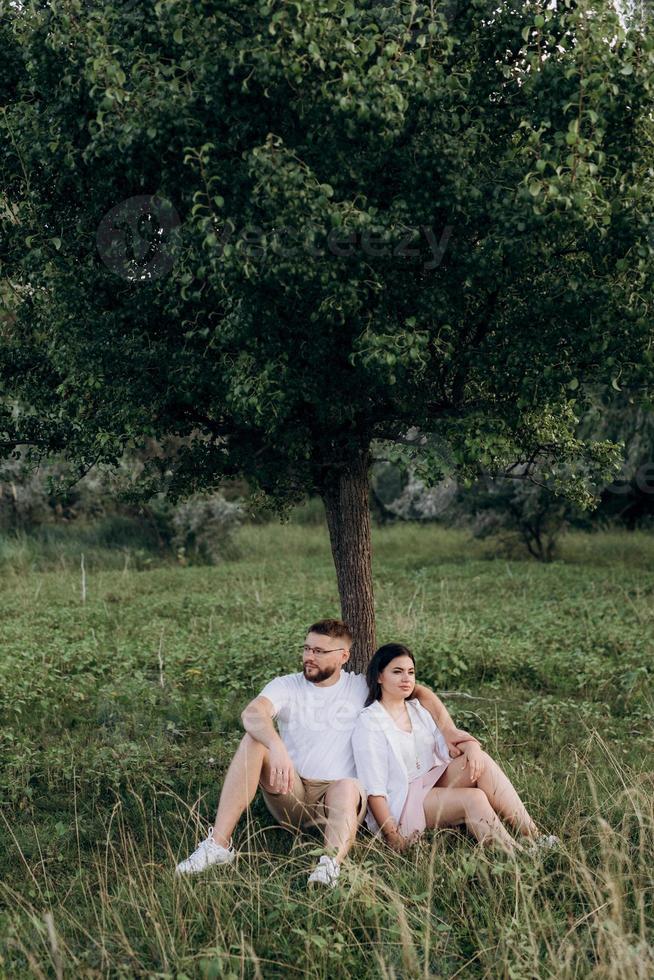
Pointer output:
178, 36
56, 242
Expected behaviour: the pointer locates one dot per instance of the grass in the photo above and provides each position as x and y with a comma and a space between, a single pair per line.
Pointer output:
119, 714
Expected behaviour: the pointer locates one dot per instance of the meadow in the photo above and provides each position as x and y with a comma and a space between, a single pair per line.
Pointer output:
121, 686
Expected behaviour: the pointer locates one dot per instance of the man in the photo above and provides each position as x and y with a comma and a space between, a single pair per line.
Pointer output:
306, 773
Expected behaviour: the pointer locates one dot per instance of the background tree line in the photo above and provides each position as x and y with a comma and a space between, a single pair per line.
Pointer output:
518, 513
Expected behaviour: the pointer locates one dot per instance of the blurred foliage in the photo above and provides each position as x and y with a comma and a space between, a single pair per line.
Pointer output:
524, 510
199, 529
516, 514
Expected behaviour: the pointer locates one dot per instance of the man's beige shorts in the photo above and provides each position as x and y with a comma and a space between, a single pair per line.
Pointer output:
305, 805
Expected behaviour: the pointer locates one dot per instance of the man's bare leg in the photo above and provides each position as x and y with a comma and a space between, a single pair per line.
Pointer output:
240, 786
341, 800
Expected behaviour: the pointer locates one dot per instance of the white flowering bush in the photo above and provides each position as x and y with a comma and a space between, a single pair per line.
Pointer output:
417, 502
399, 494
203, 528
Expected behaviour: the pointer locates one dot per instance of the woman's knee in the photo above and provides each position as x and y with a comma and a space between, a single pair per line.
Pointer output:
476, 802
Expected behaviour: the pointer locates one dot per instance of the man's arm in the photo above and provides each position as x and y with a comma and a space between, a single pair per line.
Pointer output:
257, 719
434, 706
452, 735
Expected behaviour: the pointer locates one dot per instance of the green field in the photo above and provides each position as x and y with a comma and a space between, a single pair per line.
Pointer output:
120, 712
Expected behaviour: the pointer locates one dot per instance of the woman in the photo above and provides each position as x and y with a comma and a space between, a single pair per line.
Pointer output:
412, 784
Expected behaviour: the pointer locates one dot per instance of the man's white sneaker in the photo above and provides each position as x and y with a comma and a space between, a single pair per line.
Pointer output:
326, 872
544, 842
206, 855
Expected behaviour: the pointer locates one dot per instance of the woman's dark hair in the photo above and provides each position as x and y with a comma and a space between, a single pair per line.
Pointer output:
380, 660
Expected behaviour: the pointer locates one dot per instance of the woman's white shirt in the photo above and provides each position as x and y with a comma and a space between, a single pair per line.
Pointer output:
381, 753
409, 747
406, 743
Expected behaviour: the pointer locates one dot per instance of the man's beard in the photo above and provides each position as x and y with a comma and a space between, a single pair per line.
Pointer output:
318, 674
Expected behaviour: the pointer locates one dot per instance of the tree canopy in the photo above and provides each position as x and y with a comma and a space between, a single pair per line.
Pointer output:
289, 230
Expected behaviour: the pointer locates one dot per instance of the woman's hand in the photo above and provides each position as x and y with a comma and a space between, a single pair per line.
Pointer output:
453, 736
397, 841
474, 760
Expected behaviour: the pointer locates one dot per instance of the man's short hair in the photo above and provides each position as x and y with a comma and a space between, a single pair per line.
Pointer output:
335, 628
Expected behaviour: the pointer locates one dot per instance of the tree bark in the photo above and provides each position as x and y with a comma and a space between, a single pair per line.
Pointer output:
345, 496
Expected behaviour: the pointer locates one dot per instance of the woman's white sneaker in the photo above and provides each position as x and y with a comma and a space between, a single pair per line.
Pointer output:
326, 872
206, 855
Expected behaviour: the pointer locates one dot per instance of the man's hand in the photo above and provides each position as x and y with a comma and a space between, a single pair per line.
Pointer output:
474, 760
454, 735
257, 718
282, 771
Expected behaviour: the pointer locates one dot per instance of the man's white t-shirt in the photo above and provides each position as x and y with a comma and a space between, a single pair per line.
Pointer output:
316, 723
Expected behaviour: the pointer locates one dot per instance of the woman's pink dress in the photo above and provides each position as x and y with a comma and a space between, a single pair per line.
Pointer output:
412, 817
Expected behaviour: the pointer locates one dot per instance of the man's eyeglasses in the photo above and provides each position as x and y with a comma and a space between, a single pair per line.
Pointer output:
306, 649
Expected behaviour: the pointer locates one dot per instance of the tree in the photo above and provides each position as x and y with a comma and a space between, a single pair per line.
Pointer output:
322, 224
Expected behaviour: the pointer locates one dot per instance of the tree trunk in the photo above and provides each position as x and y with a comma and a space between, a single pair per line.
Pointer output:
345, 496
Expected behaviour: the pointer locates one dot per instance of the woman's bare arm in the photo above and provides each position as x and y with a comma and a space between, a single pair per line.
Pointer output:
382, 814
